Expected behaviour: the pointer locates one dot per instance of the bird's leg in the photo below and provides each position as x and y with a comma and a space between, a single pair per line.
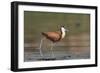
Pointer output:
41, 53
52, 45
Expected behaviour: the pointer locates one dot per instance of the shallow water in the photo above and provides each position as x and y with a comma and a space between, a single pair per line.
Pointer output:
68, 54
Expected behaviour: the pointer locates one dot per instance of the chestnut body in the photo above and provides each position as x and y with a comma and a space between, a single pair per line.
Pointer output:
53, 36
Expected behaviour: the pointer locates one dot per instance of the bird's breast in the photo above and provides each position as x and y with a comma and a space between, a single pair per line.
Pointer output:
63, 35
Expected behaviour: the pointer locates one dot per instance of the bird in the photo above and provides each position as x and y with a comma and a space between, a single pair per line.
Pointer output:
53, 37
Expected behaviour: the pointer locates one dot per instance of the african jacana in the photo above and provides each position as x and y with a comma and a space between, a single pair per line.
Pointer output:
54, 37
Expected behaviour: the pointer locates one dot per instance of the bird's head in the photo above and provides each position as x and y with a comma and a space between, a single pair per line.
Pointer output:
63, 29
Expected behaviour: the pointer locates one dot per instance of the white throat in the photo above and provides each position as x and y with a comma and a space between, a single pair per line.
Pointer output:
63, 32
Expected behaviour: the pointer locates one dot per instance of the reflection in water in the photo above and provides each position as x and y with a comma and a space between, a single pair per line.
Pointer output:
59, 55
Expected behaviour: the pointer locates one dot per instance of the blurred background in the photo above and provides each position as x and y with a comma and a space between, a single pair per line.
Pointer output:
75, 45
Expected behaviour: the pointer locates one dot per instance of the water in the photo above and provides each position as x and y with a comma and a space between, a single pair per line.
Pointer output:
76, 47
32, 55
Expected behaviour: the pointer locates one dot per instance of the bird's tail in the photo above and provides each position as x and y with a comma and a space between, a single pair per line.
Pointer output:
43, 34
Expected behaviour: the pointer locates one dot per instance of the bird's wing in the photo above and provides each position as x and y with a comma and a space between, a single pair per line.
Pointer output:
53, 35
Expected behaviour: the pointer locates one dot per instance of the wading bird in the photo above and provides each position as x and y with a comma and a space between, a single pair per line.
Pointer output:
53, 37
